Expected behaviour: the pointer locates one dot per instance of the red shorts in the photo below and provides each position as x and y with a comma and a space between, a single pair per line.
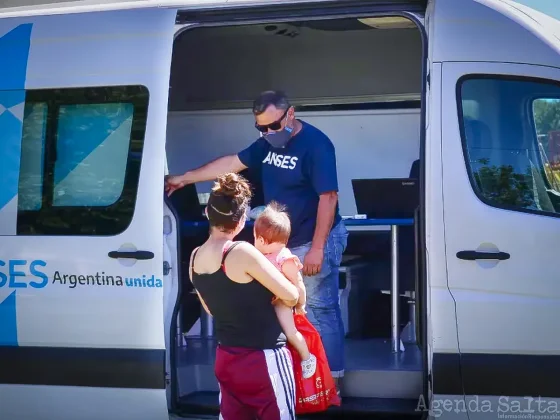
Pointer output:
255, 384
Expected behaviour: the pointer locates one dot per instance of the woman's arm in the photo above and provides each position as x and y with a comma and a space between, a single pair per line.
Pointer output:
291, 270
258, 267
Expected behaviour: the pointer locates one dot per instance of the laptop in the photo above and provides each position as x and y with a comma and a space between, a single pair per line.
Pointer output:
388, 198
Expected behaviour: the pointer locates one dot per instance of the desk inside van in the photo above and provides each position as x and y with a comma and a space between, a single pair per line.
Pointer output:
351, 224
354, 225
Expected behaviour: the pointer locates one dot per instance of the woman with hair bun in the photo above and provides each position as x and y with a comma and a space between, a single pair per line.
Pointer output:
236, 284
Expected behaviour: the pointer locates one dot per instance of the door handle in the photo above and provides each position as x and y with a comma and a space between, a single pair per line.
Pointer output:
136, 255
480, 255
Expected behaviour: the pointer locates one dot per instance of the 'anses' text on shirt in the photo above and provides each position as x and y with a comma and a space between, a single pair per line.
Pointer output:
281, 161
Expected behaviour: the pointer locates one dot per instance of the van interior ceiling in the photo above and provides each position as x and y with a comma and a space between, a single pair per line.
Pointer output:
359, 81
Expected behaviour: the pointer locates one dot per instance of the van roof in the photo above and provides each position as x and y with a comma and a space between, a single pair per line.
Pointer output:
546, 21
49, 7
481, 18
479, 21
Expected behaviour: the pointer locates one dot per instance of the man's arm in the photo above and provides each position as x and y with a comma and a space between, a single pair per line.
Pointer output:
325, 182
248, 157
313, 261
325, 219
212, 170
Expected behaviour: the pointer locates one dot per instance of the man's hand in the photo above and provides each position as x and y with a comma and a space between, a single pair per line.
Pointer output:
313, 261
174, 182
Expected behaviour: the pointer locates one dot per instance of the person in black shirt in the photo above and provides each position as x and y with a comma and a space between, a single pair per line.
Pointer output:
236, 285
297, 166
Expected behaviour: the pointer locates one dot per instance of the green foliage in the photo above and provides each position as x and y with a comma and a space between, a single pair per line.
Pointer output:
547, 115
547, 118
501, 184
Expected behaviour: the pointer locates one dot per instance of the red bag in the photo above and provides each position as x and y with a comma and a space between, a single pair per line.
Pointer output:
317, 393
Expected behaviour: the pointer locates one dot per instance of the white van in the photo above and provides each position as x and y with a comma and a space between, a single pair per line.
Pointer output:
99, 101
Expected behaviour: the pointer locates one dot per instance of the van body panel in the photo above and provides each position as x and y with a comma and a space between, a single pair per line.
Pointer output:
96, 321
14, 42
172, 278
64, 7
486, 328
485, 30
71, 403
506, 309
441, 311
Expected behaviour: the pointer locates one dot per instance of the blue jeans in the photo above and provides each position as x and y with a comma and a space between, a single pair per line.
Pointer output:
323, 309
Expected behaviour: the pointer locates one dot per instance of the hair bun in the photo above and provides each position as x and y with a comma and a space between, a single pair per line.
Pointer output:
232, 185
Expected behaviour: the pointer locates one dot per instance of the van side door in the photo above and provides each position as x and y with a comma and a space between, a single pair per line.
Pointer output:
500, 74
83, 107
501, 156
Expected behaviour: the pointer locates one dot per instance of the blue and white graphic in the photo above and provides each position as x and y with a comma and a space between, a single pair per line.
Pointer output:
8, 326
92, 150
11, 117
15, 45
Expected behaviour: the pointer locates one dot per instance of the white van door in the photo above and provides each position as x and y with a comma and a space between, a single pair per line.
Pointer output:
83, 105
499, 119
501, 156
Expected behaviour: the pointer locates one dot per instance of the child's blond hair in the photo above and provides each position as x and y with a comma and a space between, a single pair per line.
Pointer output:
273, 224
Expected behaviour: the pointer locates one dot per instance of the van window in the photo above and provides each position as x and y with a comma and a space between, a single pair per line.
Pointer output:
510, 142
80, 160
546, 114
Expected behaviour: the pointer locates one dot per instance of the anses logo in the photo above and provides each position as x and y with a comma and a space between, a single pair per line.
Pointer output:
20, 274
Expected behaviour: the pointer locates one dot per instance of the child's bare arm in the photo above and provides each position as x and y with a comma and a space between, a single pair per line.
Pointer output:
291, 270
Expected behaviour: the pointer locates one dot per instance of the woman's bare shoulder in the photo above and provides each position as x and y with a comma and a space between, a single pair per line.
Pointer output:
244, 248
246, 252
240, 261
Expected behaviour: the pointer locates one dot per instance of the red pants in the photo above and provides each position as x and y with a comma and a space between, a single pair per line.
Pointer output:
255, 384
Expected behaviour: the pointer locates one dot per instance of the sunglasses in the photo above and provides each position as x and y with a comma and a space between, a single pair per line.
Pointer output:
275, 126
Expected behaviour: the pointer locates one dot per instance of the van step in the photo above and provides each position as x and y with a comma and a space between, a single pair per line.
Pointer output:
379, 383
206, 403
372, 370
382, 383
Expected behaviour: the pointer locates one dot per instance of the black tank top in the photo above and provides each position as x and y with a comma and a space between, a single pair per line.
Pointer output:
243, 312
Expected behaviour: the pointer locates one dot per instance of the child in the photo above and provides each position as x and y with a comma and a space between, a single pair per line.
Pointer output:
272, 231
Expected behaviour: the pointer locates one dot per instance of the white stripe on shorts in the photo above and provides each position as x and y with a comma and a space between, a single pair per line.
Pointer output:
281, 373
220, 417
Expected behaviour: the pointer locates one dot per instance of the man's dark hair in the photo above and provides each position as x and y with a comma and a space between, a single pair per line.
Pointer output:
271, 97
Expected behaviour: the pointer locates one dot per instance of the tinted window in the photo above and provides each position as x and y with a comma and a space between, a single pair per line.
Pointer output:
509, 129
80, 160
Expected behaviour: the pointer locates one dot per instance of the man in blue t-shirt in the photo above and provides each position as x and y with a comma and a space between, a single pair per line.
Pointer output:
297, 163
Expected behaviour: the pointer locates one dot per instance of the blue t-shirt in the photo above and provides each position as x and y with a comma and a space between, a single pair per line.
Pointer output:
295, 176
